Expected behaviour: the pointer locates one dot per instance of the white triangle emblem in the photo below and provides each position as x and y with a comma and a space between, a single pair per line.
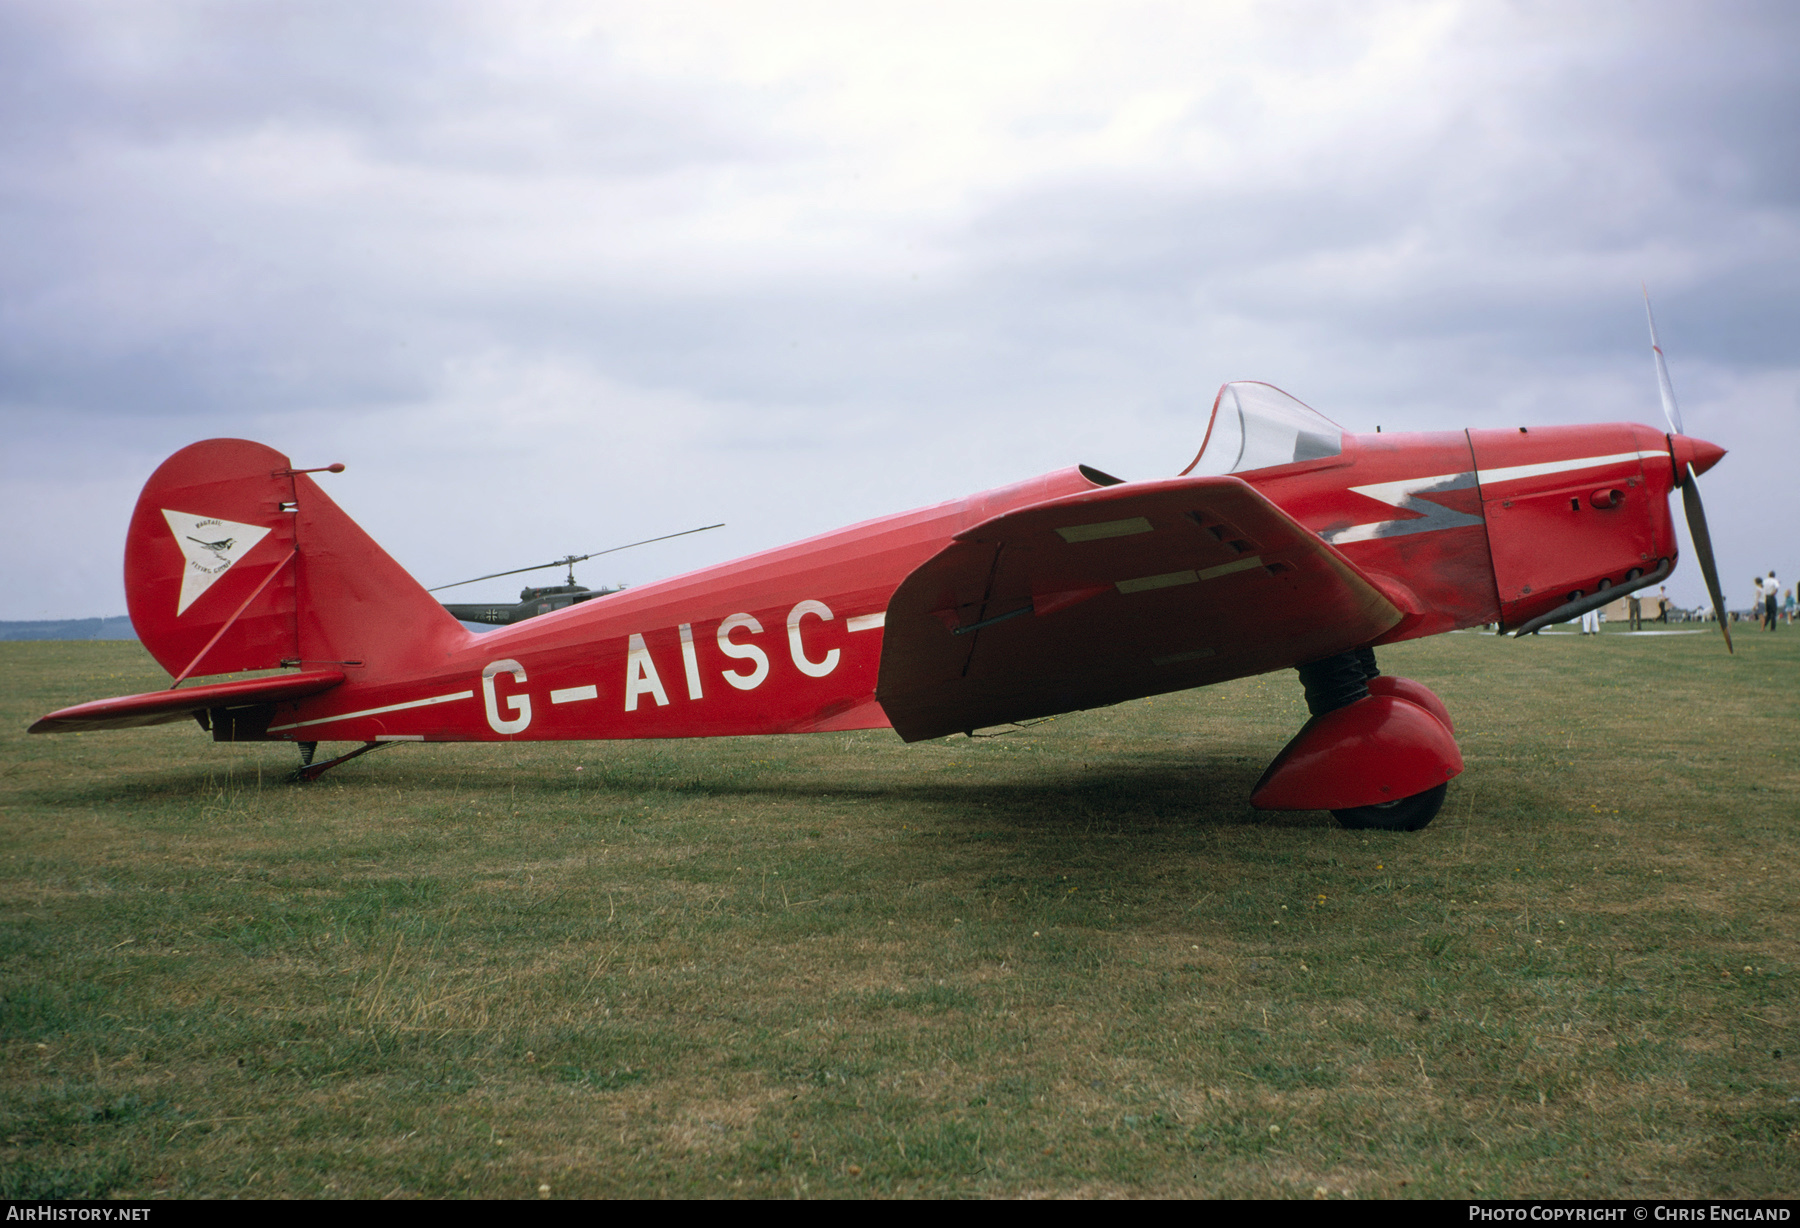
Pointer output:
211, 546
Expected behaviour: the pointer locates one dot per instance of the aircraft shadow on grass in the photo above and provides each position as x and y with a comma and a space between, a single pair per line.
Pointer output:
1147, 791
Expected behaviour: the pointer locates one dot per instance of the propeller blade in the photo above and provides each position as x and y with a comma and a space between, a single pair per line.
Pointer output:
1690, 486
1696, 518
1671, 411
569, 560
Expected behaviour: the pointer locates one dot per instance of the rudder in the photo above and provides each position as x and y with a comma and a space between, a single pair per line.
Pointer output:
234, 561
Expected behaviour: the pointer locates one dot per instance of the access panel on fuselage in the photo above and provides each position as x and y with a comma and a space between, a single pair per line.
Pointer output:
1551, 531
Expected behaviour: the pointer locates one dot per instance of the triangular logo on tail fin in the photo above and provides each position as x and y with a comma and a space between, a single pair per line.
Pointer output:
211, 546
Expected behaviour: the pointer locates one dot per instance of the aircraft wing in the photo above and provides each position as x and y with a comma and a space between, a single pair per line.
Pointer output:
162, 707
1108, 595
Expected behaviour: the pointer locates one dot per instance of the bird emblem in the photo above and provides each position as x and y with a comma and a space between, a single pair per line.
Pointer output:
219, 548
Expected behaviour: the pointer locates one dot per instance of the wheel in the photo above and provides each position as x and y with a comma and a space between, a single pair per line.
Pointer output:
1407, 814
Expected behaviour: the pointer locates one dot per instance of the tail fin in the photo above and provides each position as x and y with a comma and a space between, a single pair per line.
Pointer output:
234, 561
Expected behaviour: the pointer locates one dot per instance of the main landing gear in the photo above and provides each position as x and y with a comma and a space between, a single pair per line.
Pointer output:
1407, 814
1377, 753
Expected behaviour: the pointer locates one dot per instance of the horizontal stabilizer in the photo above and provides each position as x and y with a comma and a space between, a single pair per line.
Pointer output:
162, 707
1108, 595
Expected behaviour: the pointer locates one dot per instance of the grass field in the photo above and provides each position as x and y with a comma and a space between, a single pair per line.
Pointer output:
1066, 962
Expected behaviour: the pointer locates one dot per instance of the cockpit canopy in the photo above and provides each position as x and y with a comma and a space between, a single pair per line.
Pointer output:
1257, 426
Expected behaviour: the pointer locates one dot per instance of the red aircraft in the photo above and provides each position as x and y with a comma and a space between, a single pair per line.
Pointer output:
1287, 543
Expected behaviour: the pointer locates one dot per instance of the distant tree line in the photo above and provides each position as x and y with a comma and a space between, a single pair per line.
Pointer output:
69, 629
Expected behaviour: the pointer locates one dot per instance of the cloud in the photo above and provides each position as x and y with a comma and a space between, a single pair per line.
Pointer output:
543, 273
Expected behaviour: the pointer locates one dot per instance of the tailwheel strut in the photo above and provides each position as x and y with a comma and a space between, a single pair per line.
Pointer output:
309, 771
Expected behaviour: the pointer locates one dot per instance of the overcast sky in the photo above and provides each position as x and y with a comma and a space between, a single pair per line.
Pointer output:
550, 277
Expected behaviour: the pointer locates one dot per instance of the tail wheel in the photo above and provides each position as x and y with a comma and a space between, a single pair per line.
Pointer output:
1407, 814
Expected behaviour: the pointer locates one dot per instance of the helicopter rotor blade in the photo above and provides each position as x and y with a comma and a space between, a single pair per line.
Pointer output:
517, 571
614, 550
571, 559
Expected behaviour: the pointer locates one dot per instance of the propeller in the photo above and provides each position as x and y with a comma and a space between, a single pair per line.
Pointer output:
569, 560
1690, 485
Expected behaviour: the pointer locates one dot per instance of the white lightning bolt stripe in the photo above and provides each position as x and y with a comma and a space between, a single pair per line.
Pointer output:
1396, 493
1404, 494
1490, 476
345, 716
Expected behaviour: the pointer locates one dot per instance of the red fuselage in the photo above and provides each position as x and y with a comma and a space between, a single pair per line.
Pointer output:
1456, 529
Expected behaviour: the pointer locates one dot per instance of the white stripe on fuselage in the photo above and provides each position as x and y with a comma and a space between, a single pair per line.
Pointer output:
345, 716
1490, 477
1404, 494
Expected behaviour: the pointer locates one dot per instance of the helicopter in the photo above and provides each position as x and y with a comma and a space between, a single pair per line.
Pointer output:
532, 602
541, 600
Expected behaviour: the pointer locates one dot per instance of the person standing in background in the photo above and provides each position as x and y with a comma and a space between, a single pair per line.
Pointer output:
1771, 589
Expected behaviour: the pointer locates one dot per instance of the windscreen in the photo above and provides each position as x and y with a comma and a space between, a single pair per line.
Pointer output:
1256, 426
